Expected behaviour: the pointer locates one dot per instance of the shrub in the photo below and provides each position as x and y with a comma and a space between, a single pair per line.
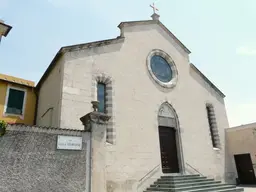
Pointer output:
3, 126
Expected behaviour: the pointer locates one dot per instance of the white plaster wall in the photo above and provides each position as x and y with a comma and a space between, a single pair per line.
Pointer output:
49, 96
241, 140
136, 102
198, 150
76, 96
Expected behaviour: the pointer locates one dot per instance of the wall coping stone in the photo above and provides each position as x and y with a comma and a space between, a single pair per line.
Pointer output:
39, 129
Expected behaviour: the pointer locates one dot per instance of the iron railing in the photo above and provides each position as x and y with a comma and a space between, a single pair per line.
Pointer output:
194, 169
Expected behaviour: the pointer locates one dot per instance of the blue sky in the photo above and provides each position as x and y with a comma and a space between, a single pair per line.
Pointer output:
220, 34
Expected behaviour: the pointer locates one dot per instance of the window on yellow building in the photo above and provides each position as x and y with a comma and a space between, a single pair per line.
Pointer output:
15, 101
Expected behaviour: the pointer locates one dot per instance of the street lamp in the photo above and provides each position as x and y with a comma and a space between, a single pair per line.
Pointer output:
4, 29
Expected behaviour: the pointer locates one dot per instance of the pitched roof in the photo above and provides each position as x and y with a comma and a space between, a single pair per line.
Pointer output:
147, 22
75, 48
241, 127
17, 80
118, 40
105, 42
207, 80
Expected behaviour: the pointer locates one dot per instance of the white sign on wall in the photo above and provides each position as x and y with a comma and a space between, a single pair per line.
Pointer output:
69, 142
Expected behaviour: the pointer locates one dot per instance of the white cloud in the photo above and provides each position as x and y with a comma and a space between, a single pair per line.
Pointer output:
247, 51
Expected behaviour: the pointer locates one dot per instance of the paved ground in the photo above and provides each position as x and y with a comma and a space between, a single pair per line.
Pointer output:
249, 189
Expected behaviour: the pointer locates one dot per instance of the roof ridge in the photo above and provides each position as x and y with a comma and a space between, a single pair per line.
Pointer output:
208, 80
74, 48
17, 80
161, 25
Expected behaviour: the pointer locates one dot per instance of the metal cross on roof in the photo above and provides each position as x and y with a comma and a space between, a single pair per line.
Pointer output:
154, 7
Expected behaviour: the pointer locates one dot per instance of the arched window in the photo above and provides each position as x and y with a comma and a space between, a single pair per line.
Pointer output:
213, 126
103, 92
101, 97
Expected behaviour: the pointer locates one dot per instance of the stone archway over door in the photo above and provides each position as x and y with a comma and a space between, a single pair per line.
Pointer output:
169, 140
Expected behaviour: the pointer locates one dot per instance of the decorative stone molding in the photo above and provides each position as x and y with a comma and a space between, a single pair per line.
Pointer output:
100, 77
213, 128
167, 111
95, 117
170, 61
98, 128
95, 105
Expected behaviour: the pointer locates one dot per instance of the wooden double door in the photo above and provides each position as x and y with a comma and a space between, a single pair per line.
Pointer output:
168, 148
245, 169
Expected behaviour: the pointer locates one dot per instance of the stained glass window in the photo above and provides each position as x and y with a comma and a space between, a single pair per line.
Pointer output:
101, 94
161, 69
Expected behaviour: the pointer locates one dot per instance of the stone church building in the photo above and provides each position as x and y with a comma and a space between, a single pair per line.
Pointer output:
166, 116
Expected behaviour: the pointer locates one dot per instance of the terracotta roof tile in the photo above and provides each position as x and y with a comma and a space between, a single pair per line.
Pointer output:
17, 80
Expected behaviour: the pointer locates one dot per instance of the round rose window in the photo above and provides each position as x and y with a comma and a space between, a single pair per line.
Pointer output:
161, 68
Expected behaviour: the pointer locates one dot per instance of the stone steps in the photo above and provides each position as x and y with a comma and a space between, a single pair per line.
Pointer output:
185, 184
190, 183
182, 181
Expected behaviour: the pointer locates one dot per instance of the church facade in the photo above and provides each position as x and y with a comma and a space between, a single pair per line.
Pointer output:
166, 116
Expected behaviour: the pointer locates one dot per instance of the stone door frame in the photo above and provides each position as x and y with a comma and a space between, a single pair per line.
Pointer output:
168, 117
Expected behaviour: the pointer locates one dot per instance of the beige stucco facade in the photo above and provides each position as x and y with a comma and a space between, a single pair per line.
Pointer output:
241, 140
135, 102
49, 97
27, 116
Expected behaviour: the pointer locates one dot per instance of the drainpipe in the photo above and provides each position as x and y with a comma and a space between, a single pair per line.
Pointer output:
89, 164
36, 107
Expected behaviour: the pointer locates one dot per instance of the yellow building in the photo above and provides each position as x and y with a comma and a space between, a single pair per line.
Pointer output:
17, 100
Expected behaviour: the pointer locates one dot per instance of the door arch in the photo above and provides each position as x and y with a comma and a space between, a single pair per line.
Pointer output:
170, 140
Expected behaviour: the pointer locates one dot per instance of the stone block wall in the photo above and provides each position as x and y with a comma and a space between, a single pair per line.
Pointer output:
135, 102
30, 161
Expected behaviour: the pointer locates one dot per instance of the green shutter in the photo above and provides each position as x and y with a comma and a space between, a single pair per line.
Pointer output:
15, 102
